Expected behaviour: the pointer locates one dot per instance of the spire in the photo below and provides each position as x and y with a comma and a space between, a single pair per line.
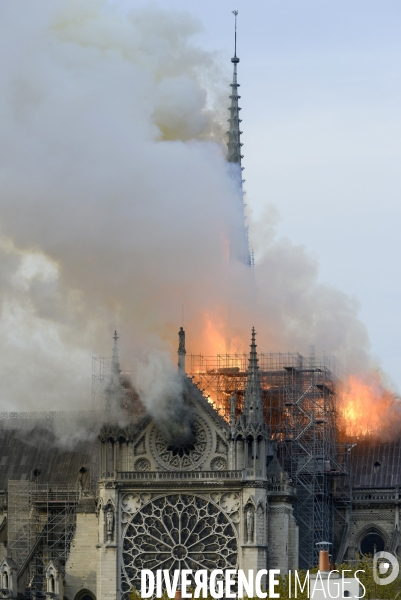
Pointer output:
240, 243
181, 350
253, 392
234, 134
115, 361
113, 391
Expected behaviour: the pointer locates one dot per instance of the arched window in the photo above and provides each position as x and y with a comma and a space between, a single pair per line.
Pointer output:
85, 595
5, 581
51, 584
372, 542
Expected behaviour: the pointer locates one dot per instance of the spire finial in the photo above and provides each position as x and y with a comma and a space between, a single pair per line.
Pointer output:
235, 59
234, 134
235, 13
115, 358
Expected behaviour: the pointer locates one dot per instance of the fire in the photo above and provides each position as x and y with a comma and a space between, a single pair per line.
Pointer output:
368, 408
217, 337
213, 336
223, 356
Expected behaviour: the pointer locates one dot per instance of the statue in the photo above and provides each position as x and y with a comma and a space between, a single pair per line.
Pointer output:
181, 342
109, 524
181, 350
249, 524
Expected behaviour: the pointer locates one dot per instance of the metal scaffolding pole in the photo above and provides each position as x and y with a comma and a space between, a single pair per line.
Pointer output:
41, 526
299, 397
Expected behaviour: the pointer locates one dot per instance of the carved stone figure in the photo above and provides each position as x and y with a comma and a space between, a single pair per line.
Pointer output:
250, 519
109, 524
181, 340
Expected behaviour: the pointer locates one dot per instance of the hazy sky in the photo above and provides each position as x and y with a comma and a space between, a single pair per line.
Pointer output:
117, 202
321, 97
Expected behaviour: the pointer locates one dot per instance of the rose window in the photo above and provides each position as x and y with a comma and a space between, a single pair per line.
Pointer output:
182, 457
179, 531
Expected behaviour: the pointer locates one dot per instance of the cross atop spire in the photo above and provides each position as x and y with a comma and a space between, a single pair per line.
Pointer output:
253, 392
235, 59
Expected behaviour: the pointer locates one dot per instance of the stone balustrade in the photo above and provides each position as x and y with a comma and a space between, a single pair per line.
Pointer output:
161, 475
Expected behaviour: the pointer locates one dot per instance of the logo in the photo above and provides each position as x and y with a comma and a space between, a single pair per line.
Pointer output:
385, 568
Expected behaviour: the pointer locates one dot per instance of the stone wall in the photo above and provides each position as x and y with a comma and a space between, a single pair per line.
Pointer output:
279, 536
81, 566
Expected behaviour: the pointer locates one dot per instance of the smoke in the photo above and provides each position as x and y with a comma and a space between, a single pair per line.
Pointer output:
161, 390
117, 207
301, 310
65, 429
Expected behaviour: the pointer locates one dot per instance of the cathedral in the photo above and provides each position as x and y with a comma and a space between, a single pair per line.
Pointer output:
209, 501
254, 479
213, 497
206, 490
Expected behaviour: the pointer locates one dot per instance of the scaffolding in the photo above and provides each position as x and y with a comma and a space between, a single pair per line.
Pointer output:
41, 524
101, 370
299, 399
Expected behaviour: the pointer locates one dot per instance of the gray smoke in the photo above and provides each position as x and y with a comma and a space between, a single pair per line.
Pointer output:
160, 387
116, 211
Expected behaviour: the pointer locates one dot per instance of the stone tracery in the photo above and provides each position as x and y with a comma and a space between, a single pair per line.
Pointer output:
178, 531
187, 457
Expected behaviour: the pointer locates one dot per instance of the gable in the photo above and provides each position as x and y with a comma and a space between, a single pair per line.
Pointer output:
207, 450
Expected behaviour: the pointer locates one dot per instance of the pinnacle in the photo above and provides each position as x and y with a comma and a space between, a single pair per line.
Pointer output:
115, 358
253, 391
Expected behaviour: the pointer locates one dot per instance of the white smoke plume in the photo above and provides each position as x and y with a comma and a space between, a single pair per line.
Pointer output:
116, 207
160, 387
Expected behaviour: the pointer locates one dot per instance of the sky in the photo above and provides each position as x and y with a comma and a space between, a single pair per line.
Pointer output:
117, 204
320, 97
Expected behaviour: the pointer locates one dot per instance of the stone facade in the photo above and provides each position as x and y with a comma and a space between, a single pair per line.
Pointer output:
211, 504
81, 566
370, 523
219, 501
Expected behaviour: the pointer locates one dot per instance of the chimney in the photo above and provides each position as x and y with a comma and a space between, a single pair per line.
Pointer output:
324, 562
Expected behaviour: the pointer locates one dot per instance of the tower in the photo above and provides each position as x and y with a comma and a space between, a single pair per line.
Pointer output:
239, 247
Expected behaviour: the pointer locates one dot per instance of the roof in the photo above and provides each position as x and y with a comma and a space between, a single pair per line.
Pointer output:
376, 464
30, 449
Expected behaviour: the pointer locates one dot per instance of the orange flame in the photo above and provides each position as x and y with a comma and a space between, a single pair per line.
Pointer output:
368, 408
217, 337
213, 335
